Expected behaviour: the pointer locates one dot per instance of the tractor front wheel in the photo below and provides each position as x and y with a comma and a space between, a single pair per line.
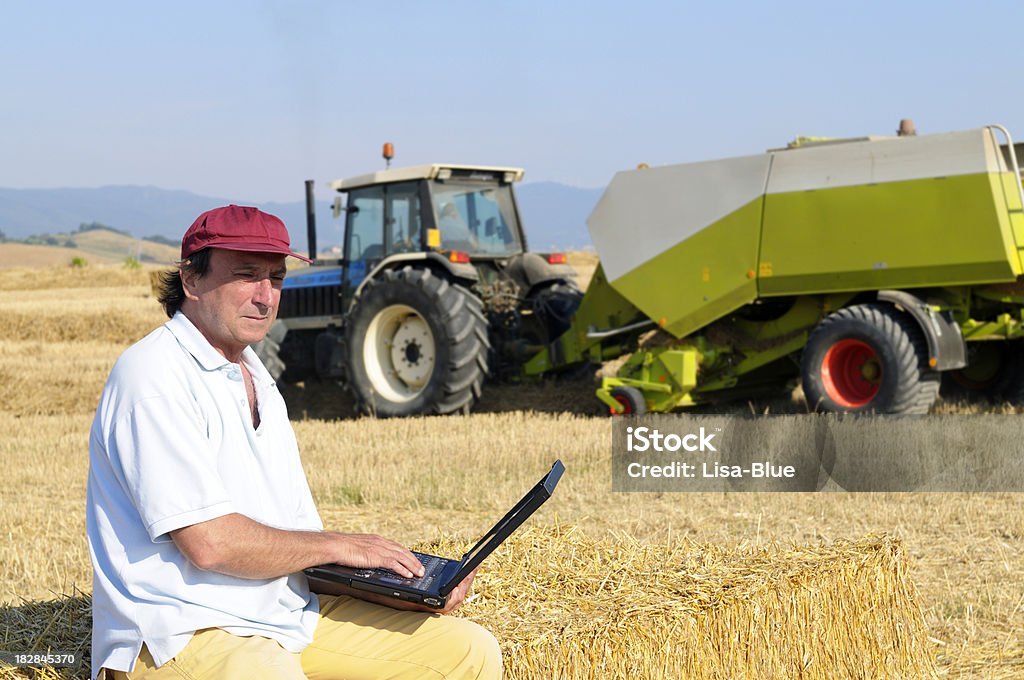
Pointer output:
416, 345
868, 359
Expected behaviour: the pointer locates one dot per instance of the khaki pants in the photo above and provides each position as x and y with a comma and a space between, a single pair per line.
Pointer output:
353, 640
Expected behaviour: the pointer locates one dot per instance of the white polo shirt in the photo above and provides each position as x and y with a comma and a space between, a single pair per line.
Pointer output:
173, 444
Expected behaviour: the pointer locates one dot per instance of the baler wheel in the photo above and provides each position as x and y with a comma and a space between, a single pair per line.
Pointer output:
868, 358
994, 370
632, 401
1013, 391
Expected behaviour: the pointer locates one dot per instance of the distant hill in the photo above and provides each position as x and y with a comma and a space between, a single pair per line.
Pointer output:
554, 215
117, 247
98, 246
25, 255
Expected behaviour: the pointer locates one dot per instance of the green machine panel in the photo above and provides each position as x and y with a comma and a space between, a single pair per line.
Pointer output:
680, 242
926, 232
709, 274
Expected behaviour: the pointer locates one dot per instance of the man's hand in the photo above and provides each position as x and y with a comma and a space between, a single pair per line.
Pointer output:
455, 598
368, 551
459, 594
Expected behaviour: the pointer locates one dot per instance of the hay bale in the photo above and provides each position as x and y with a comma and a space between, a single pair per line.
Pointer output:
565, 606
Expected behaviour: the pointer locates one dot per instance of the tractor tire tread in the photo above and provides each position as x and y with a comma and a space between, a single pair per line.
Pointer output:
459, 329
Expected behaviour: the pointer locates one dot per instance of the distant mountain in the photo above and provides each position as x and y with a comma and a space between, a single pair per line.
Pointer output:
141, 211
554, 214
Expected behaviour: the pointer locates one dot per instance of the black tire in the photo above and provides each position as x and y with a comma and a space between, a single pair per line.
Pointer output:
441, 363
631, 399
269, 349
994, 370
287, 355
868, 358
1013, 385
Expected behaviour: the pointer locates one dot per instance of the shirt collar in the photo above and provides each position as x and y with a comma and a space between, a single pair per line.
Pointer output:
260, 375
189, 337
196, 344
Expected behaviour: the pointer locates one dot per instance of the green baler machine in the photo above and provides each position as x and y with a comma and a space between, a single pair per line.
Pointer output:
865, 268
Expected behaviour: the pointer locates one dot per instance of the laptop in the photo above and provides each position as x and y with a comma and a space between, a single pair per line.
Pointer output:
441, 574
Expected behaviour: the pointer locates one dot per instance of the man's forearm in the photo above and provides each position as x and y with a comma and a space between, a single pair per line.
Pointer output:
239, 546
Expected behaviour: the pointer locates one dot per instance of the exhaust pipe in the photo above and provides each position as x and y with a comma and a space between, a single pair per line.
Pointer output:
310, 220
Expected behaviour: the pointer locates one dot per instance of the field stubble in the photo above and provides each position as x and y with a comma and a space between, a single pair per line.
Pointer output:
444, 480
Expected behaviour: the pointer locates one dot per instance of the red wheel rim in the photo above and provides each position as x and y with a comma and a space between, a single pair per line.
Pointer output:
627, 408
851, 373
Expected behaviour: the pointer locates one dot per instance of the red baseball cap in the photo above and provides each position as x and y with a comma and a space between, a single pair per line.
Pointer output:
236, 227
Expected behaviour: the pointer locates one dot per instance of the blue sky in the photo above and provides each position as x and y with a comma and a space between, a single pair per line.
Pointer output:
244, 100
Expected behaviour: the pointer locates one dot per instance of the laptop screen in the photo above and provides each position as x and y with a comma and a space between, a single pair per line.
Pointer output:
506, 525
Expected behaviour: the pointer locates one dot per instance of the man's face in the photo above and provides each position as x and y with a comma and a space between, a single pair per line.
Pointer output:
234, 304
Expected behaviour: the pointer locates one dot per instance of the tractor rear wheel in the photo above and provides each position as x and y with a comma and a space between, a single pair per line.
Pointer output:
416, 345
868, 359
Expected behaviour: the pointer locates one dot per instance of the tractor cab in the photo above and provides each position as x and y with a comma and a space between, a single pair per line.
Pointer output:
465, 213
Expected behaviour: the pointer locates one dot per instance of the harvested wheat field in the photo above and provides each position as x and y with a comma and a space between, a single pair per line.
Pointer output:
599, 585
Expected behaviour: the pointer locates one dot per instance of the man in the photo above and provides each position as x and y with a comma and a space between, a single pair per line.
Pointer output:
199, 516
454, 231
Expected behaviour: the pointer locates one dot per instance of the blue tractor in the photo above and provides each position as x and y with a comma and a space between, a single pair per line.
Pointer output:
434, 292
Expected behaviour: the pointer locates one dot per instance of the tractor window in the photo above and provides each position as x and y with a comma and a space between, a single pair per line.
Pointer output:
480, 220
403, 218
366, 224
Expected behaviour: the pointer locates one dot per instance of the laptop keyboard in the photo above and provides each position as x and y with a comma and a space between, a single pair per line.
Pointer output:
432, 566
